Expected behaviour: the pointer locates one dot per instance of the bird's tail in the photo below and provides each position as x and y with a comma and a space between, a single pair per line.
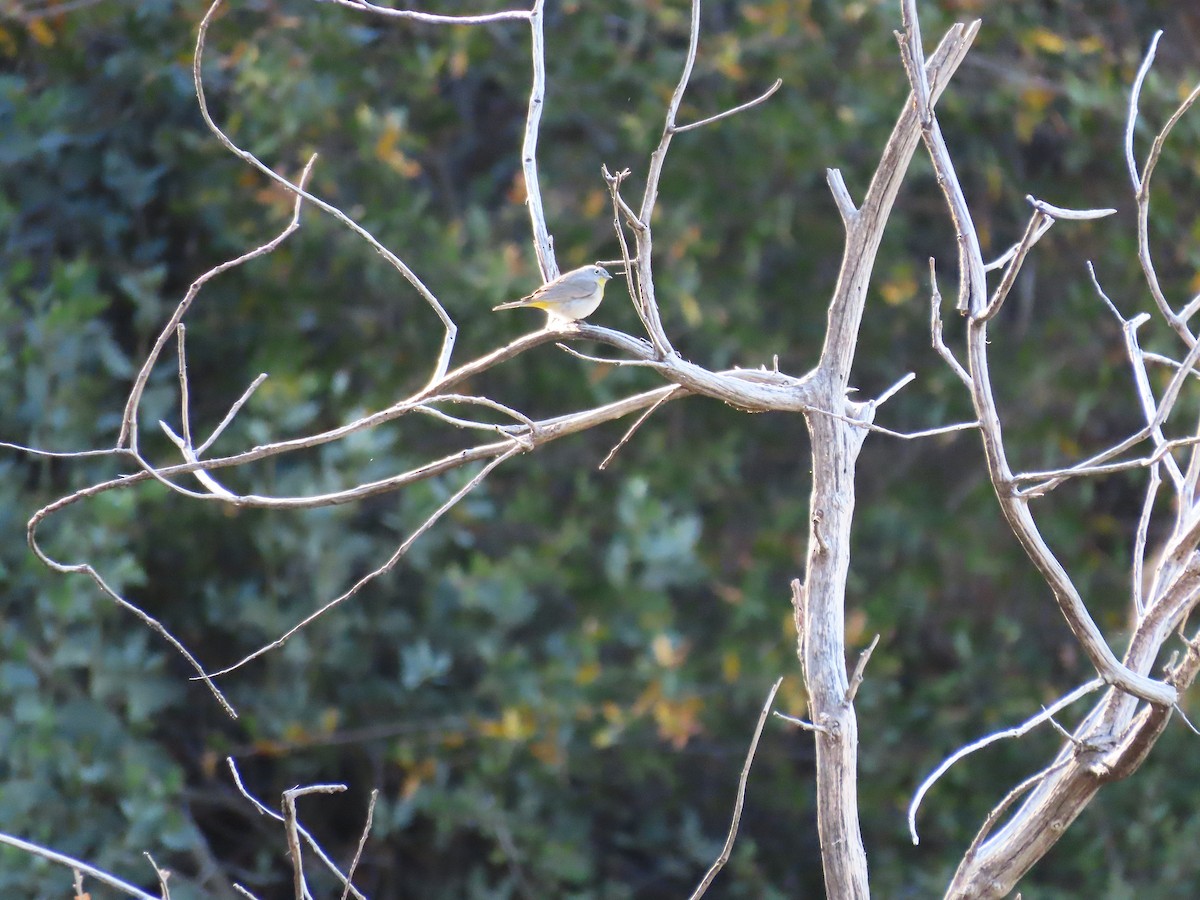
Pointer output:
512, 304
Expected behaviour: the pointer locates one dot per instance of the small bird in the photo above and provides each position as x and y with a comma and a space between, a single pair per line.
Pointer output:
570, 297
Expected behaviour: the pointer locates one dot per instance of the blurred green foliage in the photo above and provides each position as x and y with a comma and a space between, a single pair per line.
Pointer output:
554, 691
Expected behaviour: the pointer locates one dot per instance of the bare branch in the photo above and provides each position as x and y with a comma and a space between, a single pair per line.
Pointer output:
97, 579
972, 283
1017, 731
362, 843
233, 411
265, 810
742, 107
1163, 409
862, 243
291, 825
1038, 225
723, 858
1131, 119
381, 570
432, 18
163, 875
78, 865
128, 434
450, 329
1009, 799
650, 197
543, 243
802, 724
841, 196
184, 402
892, 391
856, 679
971, 293
625, 438
936, 330
1139, 542
1143, 202
1058, 212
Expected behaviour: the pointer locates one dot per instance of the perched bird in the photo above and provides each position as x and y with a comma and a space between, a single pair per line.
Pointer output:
571, 296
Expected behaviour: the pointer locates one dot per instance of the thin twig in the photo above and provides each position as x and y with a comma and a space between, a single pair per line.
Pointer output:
184, 401
856, 679
265, 810
841, 196
78, 865
972, 284
1131, 119
1033, 231
233, 411
450, 330
741, 797
543, 243
801, 723
362, 843
128, 433
381, 570
629, 432
432, 18
1140, 540
163, 875
1142, 193
1009, 799
1017, 731
936, 330
1059, 212
291, 825
749, 104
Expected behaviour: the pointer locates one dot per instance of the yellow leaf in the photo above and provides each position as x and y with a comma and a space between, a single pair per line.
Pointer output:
678, 721
1034, 102
516, 724
668, 652
41, 32
587, 673
1194, 284
594, 203
604, 738
548, 751
646, 700
387, 151
900, 288
1047, 40
690, 308
1037, 99
418, 774
731, 666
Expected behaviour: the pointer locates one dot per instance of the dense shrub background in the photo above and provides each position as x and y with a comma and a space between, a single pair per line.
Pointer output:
554, 691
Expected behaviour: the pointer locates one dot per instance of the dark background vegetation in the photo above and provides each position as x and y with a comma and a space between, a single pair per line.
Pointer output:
554, 691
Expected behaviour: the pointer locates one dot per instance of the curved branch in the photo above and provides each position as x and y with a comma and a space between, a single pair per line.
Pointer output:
450, 329
433, 18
